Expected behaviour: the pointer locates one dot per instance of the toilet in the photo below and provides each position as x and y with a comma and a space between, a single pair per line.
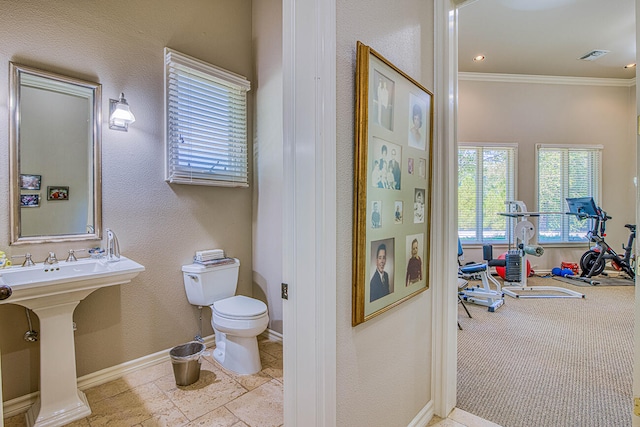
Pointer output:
236, 319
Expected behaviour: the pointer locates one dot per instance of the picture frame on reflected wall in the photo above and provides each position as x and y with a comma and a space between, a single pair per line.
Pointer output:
30, 182
29, 200
57, 193
392, 203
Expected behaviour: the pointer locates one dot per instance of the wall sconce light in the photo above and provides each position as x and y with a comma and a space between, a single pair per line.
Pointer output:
120, 116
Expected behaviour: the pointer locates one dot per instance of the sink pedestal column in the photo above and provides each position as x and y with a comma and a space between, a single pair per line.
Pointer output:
60, 401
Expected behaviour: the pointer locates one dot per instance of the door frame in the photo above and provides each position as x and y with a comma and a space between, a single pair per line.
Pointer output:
309, 212
444, 242
636, 333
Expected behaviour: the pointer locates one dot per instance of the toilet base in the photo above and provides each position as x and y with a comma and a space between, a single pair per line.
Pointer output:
237, 354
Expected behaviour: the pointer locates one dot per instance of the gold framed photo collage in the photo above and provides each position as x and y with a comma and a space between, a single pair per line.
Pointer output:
393, 164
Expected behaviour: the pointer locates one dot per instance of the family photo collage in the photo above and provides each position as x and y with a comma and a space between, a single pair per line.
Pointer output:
394, 238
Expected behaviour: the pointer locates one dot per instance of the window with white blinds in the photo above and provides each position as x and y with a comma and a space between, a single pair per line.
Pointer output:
486, 180
206, 123
565, 171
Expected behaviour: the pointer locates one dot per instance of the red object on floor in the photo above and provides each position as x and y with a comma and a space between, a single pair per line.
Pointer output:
573, 266
502, 271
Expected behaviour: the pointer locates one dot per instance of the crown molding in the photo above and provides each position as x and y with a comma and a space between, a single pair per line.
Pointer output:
559, 80
461, 3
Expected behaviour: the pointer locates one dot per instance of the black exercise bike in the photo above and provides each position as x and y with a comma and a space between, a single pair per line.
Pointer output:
593, 261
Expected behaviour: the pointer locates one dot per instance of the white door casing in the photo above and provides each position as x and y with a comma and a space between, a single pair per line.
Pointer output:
444, 226
309, 199
636, 333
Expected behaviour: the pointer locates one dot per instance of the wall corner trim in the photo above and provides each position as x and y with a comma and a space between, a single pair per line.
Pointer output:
423, 417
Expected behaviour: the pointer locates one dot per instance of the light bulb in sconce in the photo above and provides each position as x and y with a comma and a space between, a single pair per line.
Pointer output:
120, 116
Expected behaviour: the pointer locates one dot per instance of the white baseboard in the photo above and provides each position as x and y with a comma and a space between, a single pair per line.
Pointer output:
19, 405
272, 335
423, 417
22, 404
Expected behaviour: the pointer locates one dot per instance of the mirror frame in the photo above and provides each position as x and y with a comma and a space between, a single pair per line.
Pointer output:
15, 72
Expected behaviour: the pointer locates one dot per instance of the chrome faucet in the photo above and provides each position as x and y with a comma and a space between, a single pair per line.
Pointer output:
51, 259
113, 247
72, 254
28, 262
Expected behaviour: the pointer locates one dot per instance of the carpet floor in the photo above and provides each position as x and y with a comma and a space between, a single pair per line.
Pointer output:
557, 362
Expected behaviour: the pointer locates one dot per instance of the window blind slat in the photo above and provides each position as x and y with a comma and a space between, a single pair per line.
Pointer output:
203, 122
213, 146
182, 108
195, 66
188, 160
187, 93
195, 86
206, 123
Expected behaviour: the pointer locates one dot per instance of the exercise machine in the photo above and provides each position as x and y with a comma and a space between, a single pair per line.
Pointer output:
516, 263
593, 261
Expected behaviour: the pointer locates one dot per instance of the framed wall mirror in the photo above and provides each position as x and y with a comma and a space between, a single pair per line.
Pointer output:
55, 147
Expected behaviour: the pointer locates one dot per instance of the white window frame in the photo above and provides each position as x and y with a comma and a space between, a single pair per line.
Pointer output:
206, 126
564, 241
479, 211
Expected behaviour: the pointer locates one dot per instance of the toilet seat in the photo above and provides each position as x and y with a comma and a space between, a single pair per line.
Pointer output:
239, 307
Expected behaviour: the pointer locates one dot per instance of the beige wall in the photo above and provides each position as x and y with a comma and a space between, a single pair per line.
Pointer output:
268, 157
531, 113
120, 45
384, 364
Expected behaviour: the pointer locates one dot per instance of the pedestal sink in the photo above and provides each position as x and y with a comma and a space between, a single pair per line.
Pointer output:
53, 292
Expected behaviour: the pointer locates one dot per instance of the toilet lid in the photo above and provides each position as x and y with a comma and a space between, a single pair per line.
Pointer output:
240, 307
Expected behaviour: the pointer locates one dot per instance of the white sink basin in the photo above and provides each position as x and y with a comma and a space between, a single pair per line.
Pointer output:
53, 292
43, 280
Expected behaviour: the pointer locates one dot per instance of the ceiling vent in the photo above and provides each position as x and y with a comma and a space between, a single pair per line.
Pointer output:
594, 54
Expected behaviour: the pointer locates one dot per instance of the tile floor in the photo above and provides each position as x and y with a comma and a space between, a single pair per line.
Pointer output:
460, 418
220, 398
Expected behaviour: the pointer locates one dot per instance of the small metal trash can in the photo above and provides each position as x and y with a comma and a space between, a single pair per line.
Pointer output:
185, 359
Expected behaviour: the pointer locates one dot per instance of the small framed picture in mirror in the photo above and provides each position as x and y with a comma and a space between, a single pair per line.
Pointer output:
30, 182
57, 193
29, 200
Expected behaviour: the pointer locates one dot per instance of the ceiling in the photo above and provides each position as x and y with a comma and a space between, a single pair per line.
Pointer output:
547, 37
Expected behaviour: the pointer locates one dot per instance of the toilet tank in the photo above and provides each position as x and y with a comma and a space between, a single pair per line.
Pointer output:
206, 285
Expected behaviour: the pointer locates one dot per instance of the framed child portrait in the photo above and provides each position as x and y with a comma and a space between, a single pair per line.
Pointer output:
392, 186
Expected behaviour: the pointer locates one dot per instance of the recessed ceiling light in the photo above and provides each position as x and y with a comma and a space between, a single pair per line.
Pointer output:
479, 58
594, 54
629, 65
